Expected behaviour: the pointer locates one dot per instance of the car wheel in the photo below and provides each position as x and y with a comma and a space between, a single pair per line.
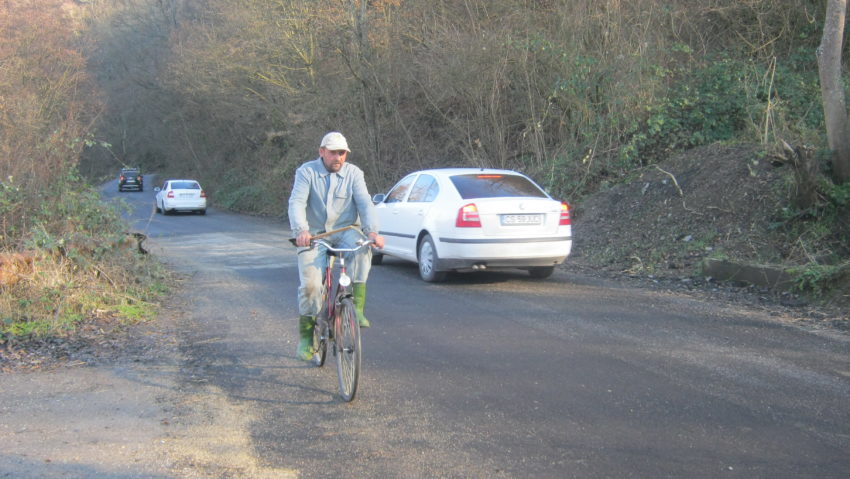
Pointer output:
541, 272
203, 212
428, 261
158, 210
377, 258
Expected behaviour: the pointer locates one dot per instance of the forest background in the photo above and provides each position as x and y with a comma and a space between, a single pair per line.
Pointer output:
580, 95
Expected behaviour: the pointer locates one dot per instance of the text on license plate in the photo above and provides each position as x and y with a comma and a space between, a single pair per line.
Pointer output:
508, 220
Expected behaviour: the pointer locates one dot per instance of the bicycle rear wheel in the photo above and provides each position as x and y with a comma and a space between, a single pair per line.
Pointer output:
347, 349
320, 332
320, 342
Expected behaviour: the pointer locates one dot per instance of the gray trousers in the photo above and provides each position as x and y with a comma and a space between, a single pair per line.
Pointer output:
311, 268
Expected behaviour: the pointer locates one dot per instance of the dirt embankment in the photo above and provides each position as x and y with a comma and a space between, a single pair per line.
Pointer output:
660, 228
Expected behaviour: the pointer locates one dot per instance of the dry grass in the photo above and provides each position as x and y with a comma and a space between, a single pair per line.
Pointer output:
53, 294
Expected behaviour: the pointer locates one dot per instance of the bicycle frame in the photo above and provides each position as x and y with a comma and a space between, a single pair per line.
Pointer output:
335, 291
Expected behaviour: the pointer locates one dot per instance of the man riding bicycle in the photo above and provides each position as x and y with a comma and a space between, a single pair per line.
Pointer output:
329, 194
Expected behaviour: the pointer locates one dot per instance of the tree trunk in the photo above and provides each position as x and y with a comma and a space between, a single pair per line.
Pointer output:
805, 177
368, 96
832, 90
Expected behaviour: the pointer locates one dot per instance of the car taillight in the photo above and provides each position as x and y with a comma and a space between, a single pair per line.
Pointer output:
565, 214
122, 178
170, 194
467, 217
203, 194
139, 179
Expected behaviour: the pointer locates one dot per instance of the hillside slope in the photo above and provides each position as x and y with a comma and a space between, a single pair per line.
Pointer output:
716, 201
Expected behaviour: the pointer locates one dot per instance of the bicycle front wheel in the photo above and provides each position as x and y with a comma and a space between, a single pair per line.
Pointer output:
347, 349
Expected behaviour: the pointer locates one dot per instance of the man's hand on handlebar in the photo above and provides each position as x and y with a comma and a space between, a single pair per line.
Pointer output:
303, 239
378, 239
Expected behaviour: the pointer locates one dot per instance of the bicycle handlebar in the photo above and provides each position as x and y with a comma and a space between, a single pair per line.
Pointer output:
360, 245
317, 239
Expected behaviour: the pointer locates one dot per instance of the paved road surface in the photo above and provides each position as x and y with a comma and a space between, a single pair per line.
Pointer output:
490, 375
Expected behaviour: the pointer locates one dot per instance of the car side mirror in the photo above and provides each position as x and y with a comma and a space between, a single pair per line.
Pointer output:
157, 189
379, 198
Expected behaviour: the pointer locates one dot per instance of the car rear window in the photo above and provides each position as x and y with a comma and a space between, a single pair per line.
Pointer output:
185, 185
495, 186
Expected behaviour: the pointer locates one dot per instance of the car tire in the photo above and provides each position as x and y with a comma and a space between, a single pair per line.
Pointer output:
156, 206
541, 272
428, 259
202, 212
377, 259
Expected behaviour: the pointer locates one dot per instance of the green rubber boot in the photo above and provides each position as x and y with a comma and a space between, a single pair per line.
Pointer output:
305, 344
360, 303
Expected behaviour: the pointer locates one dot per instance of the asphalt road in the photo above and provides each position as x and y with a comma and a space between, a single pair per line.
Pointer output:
492, 375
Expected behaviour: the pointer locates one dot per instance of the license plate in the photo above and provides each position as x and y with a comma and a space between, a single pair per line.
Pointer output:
514, 220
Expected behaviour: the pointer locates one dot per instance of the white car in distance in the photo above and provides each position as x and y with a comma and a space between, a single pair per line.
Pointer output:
473, 219
180, 195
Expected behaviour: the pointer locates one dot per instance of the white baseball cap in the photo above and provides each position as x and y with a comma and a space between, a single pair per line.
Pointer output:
335, 141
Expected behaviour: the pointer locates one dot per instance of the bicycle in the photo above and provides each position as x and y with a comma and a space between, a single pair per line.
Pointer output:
337, 322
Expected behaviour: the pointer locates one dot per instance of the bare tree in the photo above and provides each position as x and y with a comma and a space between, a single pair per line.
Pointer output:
832, 90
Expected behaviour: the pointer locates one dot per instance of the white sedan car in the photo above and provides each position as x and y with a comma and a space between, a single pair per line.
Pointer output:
180, 195
472, 219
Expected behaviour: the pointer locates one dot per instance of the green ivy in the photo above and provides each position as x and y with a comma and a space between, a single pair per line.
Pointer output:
703, 105
818, 280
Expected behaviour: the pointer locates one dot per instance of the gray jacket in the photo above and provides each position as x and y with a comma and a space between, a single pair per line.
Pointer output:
323, 201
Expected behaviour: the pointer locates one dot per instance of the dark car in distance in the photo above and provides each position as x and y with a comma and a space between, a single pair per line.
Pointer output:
131, 179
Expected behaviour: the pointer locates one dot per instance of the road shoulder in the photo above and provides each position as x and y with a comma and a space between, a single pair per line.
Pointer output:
106, 414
